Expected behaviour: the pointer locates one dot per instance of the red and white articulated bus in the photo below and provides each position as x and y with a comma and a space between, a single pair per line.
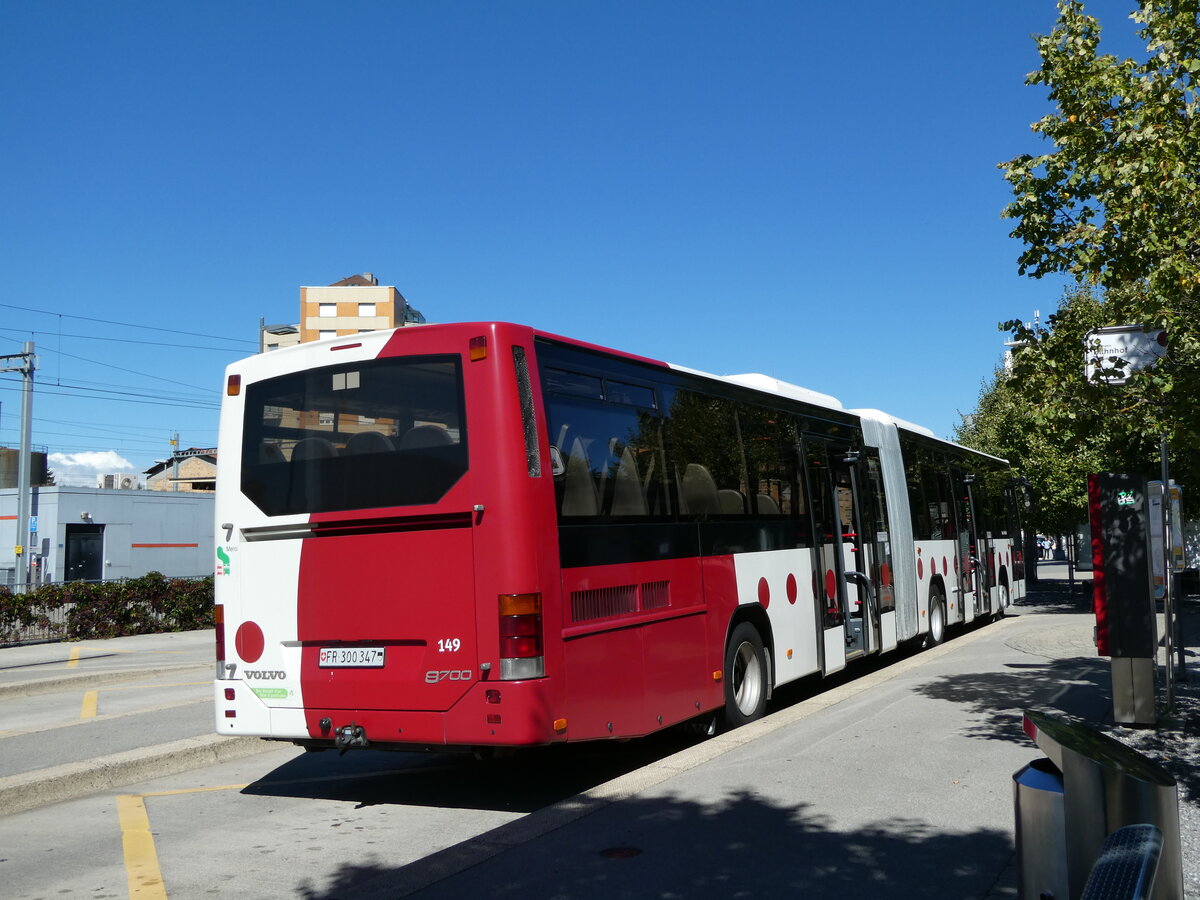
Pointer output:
485, 536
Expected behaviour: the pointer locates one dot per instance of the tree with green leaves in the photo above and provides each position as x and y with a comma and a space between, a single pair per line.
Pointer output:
1114, 203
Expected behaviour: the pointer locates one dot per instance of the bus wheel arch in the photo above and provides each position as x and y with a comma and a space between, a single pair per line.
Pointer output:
747, 673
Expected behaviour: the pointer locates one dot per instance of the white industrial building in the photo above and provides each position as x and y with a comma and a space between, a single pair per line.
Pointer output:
91, 534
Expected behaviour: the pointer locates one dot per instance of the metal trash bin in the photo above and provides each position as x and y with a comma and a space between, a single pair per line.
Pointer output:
1105, 786
1041, 830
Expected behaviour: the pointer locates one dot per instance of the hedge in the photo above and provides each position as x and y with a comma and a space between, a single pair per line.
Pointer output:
75, 610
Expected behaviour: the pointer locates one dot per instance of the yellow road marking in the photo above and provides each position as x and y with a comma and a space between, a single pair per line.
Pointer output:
141, 859
88, 710
73, 659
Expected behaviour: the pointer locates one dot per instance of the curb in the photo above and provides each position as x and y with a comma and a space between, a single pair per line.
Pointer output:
71, 781
37, 686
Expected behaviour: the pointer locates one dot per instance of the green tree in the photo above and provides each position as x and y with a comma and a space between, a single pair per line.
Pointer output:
1115, 204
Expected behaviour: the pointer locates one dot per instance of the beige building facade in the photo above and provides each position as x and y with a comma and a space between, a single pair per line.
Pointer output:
350, 306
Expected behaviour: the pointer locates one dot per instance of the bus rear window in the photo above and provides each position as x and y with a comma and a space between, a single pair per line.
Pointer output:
385, 432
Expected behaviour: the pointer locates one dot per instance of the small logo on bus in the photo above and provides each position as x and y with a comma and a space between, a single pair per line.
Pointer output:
433, 676
264, 674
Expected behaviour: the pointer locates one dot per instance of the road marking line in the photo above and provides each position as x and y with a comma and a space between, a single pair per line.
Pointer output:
141, 859
73, 659
88, 709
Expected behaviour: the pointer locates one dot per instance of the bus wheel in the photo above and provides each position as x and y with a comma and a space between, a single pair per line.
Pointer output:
745, 676
937, 619
1005, 600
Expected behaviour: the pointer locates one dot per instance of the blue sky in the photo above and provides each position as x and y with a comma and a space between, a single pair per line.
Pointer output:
807, 190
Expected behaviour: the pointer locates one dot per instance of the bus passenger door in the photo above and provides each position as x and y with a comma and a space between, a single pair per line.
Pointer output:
971, 553
842, 586
857, 552
878, 540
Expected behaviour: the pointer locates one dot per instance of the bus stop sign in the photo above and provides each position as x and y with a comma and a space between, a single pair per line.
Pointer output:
1134, 345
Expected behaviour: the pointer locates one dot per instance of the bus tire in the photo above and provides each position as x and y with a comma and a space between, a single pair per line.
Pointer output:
937, 619
1005, 600
745, 676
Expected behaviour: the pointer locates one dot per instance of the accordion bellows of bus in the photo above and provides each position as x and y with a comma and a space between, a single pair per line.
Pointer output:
481, 535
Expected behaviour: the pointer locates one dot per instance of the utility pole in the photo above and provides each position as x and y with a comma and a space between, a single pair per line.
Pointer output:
175, 462
24, 463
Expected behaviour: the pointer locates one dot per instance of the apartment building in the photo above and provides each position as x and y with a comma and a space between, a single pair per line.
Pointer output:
355, 304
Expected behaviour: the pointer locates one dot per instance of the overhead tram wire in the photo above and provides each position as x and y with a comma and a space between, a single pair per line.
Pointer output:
179, 404
123, 430
125, 324
95, 337
96, 362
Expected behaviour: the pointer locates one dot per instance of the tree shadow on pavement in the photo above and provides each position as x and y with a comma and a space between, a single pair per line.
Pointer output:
1075, 686
1057, 597
744, 846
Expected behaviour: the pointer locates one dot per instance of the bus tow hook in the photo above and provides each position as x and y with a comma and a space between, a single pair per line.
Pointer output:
350, 737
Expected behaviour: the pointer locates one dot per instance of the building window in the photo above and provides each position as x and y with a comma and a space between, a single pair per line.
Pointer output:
326, 333
327, 310
366, 310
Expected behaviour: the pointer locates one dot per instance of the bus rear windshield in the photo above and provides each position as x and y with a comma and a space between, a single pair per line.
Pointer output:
378, 433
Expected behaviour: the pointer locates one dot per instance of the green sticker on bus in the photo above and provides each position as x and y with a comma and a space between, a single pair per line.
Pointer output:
271, 693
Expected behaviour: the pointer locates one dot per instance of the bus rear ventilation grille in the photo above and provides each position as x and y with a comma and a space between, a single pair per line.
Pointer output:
604, 603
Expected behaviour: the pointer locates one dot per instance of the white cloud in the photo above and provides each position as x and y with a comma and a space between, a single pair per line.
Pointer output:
81, 469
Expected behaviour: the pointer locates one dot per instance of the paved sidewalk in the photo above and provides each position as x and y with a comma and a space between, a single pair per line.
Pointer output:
895, 784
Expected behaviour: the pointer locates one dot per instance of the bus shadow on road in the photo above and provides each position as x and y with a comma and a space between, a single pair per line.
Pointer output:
524, 781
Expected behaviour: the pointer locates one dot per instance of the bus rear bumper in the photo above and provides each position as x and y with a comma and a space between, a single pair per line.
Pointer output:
502, 714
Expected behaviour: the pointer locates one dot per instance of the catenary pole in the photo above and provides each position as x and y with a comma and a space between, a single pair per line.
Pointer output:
24, 470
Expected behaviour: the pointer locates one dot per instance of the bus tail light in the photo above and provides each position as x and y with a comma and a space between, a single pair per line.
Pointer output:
219, 623
521, 654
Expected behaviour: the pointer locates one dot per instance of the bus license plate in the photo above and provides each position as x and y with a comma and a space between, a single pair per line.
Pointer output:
351, 657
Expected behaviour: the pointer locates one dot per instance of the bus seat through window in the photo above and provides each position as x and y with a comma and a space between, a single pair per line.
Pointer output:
700, 491
627, 496
731, 502
423, 436
579, 488
368, 442
767, 505
313, 448
270, 453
